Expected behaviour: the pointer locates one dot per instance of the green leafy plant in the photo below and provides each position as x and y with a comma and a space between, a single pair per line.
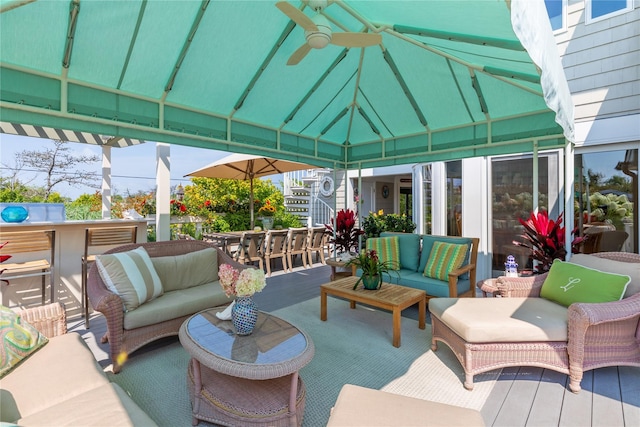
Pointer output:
376, 223
545, 238
371, 265
346, 233
178, 208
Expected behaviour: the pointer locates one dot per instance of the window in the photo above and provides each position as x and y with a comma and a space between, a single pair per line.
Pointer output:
606, 190
597, 10
556, 9
454, 198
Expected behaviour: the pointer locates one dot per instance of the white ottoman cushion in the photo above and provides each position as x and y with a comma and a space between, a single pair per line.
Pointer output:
482, 320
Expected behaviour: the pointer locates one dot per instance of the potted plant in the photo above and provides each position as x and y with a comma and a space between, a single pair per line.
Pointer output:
345, 235
267, 211
372, 269
545, 238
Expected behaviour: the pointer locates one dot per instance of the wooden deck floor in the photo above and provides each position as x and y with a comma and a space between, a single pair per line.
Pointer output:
522, 396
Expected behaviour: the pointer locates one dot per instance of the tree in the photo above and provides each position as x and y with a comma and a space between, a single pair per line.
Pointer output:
60, 166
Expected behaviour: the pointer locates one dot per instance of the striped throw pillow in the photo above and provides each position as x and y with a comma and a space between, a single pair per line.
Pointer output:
130, 275
444, 258
388, 250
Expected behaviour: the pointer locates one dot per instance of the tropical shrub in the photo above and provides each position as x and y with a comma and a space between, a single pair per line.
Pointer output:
376, 223
346, 236
545, 238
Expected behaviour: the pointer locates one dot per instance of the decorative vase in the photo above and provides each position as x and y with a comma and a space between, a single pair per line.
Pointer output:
372, 282
14, 214
267, 222
244, 315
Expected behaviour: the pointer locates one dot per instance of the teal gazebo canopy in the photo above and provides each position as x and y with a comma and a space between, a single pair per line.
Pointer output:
448, 80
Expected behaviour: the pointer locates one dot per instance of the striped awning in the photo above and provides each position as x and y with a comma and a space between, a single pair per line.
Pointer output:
67, 135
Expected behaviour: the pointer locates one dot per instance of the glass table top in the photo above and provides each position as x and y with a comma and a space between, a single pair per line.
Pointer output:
273, 340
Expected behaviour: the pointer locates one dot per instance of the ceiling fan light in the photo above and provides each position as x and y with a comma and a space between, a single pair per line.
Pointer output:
318, 39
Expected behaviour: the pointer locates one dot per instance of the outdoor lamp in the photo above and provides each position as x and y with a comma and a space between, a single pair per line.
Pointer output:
179, 192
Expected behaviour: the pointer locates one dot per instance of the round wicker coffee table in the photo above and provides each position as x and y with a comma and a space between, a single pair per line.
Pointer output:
245, 380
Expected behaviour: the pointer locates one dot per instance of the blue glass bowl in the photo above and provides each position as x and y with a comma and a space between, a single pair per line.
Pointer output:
14, 214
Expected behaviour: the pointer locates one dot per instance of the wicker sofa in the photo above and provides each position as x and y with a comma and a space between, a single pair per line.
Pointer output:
523, 329
180, 267
62, 384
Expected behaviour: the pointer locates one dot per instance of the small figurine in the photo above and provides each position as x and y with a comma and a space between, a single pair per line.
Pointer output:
511, 267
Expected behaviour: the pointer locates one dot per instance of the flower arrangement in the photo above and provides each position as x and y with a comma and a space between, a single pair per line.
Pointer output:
545, 238
267, 209
241, 284
346, 234
371, 265
178, 208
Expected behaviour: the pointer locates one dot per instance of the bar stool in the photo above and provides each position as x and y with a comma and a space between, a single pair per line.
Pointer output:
101, 236
23, 242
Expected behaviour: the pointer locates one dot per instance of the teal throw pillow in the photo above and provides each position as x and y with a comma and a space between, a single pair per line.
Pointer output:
19, 340
568, 283
443, 259
388, 250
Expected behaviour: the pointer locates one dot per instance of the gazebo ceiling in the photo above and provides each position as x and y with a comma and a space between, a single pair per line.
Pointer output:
450, 79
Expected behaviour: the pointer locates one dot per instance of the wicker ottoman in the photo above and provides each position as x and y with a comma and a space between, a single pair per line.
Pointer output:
364, 407
233, 401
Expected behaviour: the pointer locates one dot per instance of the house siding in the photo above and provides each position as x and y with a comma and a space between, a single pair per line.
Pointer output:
601, 62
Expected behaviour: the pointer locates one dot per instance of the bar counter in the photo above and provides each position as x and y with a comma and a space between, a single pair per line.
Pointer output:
69, 249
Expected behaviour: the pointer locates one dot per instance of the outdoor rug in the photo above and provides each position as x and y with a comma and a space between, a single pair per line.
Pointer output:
352, 347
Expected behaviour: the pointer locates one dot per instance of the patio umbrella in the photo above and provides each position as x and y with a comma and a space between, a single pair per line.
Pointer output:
248, 167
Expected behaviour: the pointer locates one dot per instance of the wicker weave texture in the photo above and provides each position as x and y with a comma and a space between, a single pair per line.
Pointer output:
231, 401
111, 306
50, 319
599, 335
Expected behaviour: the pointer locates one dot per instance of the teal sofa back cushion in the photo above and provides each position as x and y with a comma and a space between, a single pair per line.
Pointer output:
409, 244
427, 244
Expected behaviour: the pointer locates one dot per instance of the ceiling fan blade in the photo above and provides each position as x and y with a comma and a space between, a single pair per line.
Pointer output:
299, 54
297, 16
356, 39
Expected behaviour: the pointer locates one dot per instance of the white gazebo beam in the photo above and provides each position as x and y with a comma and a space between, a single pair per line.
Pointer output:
163, 190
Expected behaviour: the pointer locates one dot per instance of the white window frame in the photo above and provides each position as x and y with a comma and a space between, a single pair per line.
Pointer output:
589, 20
565, 5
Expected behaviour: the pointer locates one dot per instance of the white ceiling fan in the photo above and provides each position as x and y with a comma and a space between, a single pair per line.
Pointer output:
318, 33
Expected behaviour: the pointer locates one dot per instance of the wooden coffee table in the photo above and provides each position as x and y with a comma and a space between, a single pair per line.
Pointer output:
394, 298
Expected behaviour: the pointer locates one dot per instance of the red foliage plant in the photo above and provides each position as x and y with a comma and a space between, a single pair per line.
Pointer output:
346, 234
545, 238
3, 258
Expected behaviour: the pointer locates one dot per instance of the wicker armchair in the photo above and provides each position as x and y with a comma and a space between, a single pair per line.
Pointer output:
599, 335
127, 341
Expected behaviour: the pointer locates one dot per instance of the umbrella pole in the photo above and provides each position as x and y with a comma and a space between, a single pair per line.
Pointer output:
251, 202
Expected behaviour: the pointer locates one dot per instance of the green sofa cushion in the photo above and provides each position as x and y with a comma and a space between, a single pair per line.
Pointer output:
444, 258
568, 283
187, 270
432, 287
387, 249
409, 244
427, 244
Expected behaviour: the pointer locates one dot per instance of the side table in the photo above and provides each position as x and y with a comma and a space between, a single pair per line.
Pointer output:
245, 380
335, 262
488, 286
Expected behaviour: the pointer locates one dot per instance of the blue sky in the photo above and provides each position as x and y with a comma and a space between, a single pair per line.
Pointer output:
133, 168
